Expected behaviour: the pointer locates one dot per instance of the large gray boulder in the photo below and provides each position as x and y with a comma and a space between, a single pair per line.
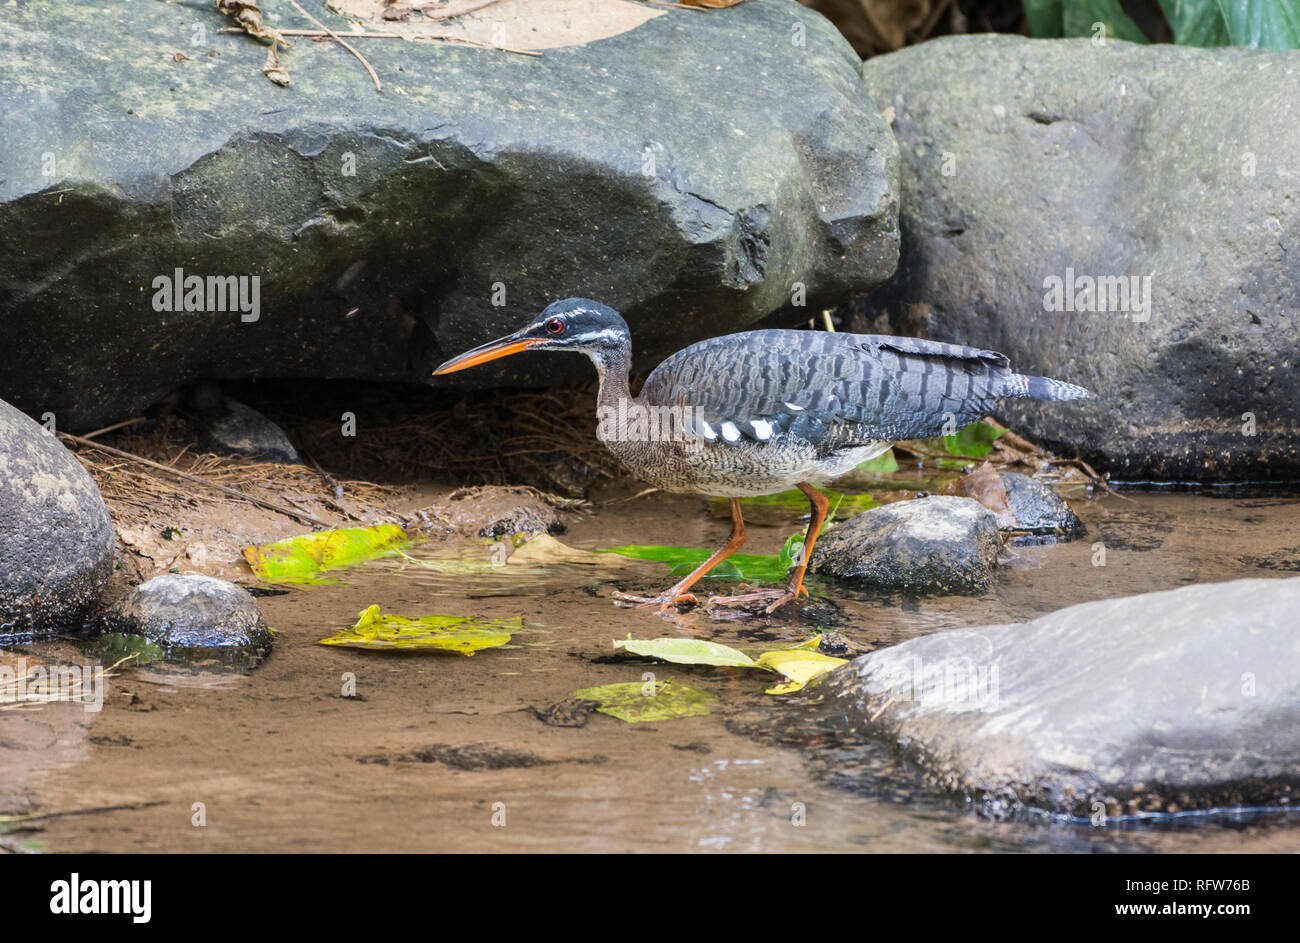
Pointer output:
1029, 160
1164, 702
688, 172
56, 538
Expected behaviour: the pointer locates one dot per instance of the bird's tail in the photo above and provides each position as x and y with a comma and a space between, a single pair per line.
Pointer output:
1043, 388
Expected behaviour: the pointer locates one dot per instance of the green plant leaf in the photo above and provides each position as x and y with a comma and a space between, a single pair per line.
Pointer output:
796, 501
1078, 17
628, 701
686, 651
112, 647
1045, 18
1262, 24
883, 464
759, 567
974, 441
303, 558
428, 633
1196, 22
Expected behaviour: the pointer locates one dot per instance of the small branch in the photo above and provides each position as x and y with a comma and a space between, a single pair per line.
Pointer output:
452, 14
113, 427
379, 86
432, 37
278, 508
23, 818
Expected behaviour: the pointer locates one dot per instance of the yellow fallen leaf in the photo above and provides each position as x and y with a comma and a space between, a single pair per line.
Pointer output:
799, 666
427, 633
297, 559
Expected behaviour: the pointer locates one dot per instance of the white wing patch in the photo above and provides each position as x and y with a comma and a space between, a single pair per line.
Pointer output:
762, 429
730, 432
709, 432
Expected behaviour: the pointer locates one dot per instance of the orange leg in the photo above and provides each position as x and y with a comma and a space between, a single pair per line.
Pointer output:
795, 589
820, 506
678, 593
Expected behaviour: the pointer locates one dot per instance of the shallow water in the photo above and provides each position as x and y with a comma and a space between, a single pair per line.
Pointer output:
280, 760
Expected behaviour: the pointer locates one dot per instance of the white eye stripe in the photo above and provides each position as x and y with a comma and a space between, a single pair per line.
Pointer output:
605, 334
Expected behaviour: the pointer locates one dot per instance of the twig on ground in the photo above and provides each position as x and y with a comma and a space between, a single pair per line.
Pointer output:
374, 76
370, 34
114, 427
270, 506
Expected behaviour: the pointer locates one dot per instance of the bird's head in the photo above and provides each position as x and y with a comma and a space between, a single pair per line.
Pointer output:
573, 324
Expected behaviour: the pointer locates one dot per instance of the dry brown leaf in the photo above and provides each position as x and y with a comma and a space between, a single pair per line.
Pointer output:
249, 16
273, 70
985, 485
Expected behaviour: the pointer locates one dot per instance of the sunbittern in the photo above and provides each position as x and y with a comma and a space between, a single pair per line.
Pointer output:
764, 411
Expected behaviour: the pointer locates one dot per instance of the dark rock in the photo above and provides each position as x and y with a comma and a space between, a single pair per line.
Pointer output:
937, 544
193, 618
56, 538
236, 429
379, 223
1172, 701
1026, 159
1037, 507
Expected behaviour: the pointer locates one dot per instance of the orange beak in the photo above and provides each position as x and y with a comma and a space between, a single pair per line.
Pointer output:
492, 350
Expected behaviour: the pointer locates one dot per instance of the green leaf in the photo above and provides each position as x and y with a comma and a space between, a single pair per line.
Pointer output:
974, 441
796, 501
301, 559
759, 567
428, 633
112, 647
883, 464
1262, 24
685, 651
1079, 16
1196, 22
629, 701
1045, 18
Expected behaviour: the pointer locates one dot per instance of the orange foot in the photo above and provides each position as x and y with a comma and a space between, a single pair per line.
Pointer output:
664, 601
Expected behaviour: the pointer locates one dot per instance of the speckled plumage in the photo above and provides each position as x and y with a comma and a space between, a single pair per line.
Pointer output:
774, 408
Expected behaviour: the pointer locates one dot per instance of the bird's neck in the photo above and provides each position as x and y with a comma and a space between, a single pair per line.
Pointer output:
616, 407
613, 367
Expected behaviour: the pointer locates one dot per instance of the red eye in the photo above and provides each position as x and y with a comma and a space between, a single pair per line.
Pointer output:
555, 325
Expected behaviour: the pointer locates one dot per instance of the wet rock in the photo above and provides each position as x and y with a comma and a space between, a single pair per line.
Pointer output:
689, 174
193, 618
235, 429
1120, 169
937, 544
494, 512
1038, 508
1170, 701
56, 538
